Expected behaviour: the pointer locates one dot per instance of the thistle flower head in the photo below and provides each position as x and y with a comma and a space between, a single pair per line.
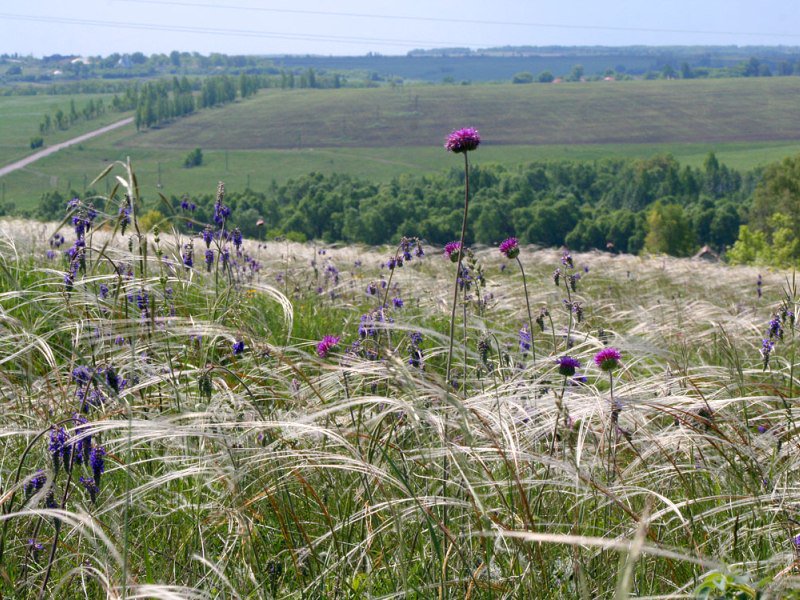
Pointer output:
463, 140
567, 365
608, 359
510, 248
328, 343
452, 250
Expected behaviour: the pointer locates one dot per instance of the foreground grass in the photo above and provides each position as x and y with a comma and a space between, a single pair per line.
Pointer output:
277, 472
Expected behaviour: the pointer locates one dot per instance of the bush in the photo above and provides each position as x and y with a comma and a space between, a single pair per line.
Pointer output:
37, 142
194, 158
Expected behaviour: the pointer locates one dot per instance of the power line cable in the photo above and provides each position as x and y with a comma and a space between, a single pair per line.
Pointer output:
295, 11
219, 31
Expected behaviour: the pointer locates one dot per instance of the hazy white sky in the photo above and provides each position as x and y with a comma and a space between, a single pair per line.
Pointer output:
90, 27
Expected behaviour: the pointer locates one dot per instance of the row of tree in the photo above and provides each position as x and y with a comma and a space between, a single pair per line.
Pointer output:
654, 205
61, 120
619, 205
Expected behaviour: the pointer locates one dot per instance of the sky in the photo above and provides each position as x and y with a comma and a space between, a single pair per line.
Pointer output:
356, 27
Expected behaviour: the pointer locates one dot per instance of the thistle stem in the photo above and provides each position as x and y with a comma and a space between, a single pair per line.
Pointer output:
528, 306
458, 270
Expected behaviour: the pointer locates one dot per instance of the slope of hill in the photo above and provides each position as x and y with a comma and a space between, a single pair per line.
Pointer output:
723, 110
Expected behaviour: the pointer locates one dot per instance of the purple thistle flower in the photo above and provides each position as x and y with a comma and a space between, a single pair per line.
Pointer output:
328, 343
397, 302
567, 365
452, 250
510, 248
463, 140
238, 347
608, 359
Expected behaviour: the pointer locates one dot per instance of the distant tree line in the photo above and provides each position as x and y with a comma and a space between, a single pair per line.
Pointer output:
61, 120
629, 206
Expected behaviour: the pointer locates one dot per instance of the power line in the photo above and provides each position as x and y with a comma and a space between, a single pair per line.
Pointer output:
220, 31
294, 11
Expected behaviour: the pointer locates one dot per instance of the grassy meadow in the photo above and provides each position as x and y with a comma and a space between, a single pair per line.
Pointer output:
20, 117
384, 133
176, 423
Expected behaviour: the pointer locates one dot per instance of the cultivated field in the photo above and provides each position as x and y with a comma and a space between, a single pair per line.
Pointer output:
384, 133
175, 424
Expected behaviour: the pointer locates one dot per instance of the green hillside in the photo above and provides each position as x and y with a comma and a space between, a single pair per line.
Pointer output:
599, 113
20, 117
383, 133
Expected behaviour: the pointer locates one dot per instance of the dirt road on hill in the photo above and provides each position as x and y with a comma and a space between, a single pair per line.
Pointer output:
20, 164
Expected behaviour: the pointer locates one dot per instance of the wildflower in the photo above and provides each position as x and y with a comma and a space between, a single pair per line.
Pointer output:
543, 312
452, 250
328, 343
767, 346
524, 339
112, 380
221, 212
103, 291
209, 259
557, 276
90, 486
566, 260
142, 300
208, 235
82, 446
397, 302
608, 359
463, 140
81, 375
372, 289
238, 347
567, 365
59, 450
35, 547
510, 248
188, 255
236, 236
775, 328
759, 283
415, 360
97, 462
35, 483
